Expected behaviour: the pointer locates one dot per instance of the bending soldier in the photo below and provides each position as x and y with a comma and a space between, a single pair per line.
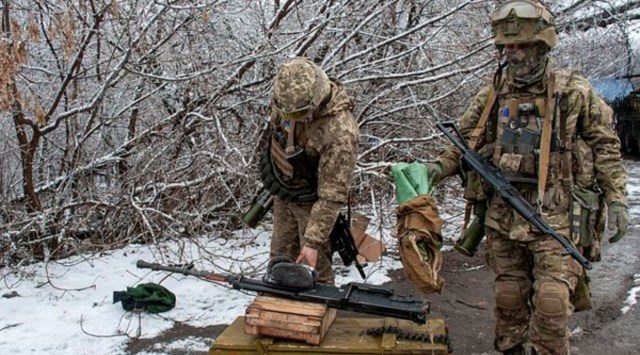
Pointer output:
310, 162
550, 134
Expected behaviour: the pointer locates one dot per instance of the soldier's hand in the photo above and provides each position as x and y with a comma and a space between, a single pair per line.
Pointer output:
308, 256
435, 172
618, 218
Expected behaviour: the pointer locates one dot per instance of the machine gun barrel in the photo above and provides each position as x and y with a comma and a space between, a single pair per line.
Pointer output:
355, 297
507, 192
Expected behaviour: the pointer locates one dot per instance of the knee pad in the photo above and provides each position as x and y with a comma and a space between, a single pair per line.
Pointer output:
552, 298
509, 295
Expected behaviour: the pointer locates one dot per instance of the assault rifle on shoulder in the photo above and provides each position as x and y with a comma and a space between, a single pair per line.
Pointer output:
355, 297
341, 238
507, 192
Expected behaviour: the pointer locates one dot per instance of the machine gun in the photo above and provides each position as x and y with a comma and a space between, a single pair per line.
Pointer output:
507, 192
355, 297
341, 237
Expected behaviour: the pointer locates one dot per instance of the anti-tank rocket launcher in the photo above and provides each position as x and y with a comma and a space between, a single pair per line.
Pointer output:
355, 297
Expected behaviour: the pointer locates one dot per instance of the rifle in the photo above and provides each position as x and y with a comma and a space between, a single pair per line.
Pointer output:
355, 297
341, 238
342, 242
507, 192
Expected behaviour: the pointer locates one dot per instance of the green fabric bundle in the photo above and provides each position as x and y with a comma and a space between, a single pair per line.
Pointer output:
149, 297
411, 180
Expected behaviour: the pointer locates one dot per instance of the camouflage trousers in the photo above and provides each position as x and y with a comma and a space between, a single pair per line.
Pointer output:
289, 223
533, 285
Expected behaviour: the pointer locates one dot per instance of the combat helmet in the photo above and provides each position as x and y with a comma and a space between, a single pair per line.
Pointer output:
523, 21
299, 88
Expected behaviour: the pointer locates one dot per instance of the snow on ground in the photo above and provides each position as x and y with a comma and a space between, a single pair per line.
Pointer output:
65, 307
633, 192
634, 294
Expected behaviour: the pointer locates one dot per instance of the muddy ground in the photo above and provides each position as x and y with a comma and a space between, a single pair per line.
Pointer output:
466, 304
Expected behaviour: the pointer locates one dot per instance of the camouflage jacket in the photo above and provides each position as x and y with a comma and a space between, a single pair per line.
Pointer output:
330, 141
588, 122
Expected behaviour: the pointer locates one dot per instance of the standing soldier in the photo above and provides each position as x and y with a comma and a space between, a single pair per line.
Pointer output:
550, 134
310, 162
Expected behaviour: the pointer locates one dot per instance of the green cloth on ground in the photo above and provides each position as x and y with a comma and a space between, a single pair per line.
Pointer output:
149, 297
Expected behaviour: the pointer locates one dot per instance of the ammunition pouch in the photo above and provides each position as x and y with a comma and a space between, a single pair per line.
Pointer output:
587, 228
301, 187
581, 297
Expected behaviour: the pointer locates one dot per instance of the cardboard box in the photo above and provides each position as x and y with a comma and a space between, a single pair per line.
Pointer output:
369, 248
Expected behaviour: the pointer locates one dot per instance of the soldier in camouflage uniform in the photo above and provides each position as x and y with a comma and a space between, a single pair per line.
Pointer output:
313, 151
550, 135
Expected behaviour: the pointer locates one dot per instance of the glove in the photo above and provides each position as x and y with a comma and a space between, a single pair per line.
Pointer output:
618, 218
434, 171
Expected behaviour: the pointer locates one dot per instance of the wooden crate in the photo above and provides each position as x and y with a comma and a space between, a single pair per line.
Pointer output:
346, 336
288, 319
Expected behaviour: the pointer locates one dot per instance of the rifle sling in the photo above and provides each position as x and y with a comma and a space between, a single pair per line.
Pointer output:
545, 139
476, 134
474, 140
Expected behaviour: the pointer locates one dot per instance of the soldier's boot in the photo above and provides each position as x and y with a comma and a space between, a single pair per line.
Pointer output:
516, 350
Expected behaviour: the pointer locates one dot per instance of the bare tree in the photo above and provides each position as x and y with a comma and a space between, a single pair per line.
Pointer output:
135, 121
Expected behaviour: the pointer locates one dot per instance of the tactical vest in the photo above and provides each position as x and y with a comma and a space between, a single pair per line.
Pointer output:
527, 137
285, 169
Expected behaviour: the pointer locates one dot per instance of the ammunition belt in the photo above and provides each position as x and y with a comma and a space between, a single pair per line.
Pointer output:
415, 336
306, 193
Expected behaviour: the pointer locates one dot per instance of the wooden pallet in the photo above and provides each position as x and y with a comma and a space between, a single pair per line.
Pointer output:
346, 336
288, 319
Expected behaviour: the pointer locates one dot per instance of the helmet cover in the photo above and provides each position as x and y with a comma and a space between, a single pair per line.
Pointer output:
523, 21
299, 87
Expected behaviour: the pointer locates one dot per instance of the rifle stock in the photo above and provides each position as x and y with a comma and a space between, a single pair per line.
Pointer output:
355, 297
507, 192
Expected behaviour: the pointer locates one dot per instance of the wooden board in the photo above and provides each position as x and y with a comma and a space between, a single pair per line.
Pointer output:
288, 319
346, 336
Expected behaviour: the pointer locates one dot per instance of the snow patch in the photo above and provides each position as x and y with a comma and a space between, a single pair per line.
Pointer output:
65, 307
634, 294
